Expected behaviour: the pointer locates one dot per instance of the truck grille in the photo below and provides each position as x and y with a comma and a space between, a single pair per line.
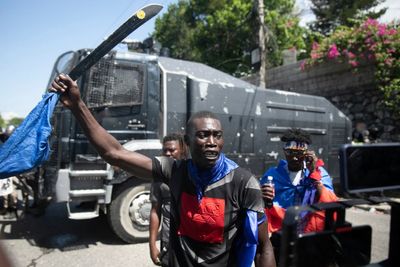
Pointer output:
115, 83
92, 182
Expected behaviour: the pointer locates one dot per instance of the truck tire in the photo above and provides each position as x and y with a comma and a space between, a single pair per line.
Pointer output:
129, 212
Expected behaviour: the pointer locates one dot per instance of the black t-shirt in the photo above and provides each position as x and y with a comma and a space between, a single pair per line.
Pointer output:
203, 233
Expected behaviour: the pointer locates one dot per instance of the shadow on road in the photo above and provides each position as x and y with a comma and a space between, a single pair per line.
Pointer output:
54, 230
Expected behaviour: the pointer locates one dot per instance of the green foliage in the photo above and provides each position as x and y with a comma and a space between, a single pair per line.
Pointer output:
222, 33
15, 121
285, 32
369, 42
174, 30
2, 122
309, 38
332, 13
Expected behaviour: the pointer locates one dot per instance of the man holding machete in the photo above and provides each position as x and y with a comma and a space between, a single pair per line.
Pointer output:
217, 216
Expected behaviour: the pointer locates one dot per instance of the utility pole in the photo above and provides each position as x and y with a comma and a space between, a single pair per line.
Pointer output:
261, 42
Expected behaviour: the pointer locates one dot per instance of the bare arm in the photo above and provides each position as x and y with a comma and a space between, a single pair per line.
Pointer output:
154, 226
105, 144
4, 258
265, 253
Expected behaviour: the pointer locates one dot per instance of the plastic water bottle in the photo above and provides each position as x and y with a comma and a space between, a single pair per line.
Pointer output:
270, 182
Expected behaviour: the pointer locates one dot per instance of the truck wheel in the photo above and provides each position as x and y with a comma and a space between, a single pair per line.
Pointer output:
129, 212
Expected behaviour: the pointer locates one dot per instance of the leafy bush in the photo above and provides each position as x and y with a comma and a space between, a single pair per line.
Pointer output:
370, 42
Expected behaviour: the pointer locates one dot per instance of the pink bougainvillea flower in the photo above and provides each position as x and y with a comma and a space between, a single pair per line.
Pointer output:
315, 46
389, 61
368, 40
372, 47
381, 29
391, 31
350, 55
353, 63
371, 22
333, 52
315, 55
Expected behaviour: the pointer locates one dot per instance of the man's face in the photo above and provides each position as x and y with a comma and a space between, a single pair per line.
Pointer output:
295, 158
205, 142
360, 127
172, 149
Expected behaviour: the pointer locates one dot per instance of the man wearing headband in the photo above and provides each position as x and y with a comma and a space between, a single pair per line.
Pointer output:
298, 180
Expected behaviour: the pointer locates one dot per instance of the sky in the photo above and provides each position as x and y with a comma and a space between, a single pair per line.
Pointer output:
35, 33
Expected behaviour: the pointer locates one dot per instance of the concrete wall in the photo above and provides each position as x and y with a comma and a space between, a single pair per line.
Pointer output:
354, 93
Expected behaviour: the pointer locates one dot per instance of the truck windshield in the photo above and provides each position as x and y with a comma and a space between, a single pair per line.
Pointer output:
64, 64
115, 83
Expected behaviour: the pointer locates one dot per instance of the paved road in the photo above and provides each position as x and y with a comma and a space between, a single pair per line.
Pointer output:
53, 240
380, 224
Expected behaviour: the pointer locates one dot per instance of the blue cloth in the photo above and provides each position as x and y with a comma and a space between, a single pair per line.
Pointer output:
202, 178
28, 146
287, 194
247, 241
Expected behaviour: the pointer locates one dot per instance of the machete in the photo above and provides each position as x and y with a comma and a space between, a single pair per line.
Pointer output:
135, 21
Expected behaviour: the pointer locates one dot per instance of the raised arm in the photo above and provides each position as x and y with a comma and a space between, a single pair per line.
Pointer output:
105, 144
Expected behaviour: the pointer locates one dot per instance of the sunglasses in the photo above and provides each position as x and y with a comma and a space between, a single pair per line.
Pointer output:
295, 153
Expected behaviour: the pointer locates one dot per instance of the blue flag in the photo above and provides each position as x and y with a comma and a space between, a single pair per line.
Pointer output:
28, 146
247, 240
201, 179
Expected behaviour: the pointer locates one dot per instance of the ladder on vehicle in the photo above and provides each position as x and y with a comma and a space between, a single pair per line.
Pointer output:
71, 195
